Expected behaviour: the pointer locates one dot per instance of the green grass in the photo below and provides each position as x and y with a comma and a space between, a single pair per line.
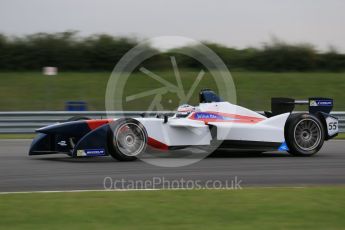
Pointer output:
341, 136
273, 208
33, 91
17, 136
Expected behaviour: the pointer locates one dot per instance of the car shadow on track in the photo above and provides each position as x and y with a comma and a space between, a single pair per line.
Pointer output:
77, 160
247, 154
217, 154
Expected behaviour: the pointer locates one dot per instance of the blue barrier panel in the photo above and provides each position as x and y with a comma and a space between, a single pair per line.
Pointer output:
76, 106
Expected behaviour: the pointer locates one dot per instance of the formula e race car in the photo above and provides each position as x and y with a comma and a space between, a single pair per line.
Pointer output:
213, 123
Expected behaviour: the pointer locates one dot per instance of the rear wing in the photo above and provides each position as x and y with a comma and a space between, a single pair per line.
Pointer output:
280, 105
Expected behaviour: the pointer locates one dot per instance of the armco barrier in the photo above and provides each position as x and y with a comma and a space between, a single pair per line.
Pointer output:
27, 122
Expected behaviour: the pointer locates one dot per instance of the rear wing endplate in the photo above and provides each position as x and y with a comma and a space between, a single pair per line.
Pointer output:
281, 105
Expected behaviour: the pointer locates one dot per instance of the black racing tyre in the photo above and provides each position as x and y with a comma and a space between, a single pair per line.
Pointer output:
304, 134
127, 139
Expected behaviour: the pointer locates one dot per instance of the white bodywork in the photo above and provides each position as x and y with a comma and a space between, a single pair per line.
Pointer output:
233, 123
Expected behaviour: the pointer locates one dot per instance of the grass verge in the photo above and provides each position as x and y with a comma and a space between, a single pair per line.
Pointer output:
33, 91
259, 208
17, 136
340, 136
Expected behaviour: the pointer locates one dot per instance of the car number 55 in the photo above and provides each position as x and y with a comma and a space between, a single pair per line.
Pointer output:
332, 126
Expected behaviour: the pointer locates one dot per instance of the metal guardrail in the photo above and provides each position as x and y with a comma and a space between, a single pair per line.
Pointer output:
27, 122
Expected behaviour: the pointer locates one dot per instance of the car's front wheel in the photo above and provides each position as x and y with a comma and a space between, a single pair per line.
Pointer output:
304, 134
127, 139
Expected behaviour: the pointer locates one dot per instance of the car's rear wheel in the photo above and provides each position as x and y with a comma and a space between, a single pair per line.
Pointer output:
304, 134
127, 139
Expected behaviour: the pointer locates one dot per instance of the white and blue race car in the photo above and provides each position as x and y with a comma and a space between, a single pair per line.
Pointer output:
213, 123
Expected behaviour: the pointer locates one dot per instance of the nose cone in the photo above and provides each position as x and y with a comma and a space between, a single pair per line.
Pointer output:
41, 145
72, 128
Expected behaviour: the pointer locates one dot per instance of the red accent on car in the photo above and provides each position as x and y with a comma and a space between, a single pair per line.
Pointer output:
93, 124
242, 118
157, 144
237, 118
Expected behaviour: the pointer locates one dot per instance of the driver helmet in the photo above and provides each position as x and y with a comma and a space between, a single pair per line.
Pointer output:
184, 110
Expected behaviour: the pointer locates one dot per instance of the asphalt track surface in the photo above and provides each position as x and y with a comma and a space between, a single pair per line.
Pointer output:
19, 172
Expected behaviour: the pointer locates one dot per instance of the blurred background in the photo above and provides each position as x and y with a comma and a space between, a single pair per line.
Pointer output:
272, 48
57, 56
